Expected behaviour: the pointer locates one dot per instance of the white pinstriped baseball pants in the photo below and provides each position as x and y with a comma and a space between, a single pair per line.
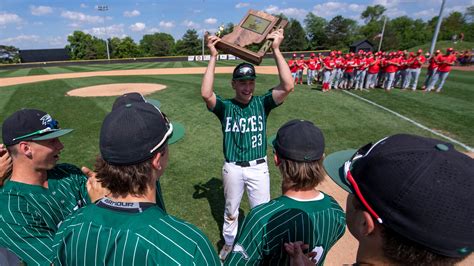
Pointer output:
255, 179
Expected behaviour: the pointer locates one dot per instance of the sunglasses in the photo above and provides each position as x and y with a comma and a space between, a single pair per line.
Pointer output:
360, 153
168, 133
51, 126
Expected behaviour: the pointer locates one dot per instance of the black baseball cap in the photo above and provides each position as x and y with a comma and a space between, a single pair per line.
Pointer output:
133, 132
133, 97
299, 140
244, 71
30, 124
421, 188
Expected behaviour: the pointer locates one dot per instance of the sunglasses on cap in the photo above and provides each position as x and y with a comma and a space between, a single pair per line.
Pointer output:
168, 133
360, 153
51, 126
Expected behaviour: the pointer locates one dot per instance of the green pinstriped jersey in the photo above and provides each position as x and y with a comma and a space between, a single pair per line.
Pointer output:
318, 223
96, 235
30, 214
244, 126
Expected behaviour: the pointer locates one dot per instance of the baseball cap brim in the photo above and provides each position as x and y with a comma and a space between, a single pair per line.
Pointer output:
54, 134
334, 166
156, 103
178, 133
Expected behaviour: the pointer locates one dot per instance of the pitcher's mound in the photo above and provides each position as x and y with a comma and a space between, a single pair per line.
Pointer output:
116, 89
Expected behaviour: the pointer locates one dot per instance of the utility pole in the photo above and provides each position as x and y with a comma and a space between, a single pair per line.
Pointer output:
383, 31
438, 25
104, 8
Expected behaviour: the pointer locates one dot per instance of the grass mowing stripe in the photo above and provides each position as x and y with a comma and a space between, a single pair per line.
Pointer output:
412, 121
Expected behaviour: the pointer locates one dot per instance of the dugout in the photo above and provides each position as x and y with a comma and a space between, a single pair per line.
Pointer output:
364, 45
44, 55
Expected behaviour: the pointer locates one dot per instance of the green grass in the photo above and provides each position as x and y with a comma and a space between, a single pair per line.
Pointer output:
192, 183
443, 45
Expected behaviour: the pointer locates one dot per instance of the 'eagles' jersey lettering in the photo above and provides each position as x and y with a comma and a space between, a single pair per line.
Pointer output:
244, 125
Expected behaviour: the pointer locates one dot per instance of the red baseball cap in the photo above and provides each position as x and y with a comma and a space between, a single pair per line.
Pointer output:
420, 51
302, 55
412, 53
312, 54
450, 49
438, 51
294, 55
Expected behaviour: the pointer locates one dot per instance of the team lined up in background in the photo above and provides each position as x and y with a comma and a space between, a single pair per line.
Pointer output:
367, 70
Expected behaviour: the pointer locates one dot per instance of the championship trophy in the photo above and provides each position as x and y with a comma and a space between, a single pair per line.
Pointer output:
253, 29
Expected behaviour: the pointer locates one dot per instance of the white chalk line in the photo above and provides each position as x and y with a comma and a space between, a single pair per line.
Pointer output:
470, 149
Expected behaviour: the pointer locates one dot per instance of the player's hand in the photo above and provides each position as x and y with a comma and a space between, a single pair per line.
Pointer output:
94, 187
297, 257
5, 163
277, 37
211, 43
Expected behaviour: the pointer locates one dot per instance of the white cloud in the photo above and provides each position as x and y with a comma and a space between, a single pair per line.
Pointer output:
40, 10
116, 30
7, 18
395, 12
191, 24
210, 21
84, 5
153, 30
20, 39
139, 26
425, 14
331, 9
241, 5
291, 12
131, 14
387, 3
78, 17
166, 24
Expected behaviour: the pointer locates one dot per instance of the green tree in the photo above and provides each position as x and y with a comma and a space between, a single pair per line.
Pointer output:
9, 54
229, 27
157, 44
341, 32
190, 43
373, 13
123, 48
315, 30
85, 46
295, 37
451, 25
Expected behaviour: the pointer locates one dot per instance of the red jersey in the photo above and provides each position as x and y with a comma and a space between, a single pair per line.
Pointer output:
433, 64
293, 66
350, 65
301, 64
445, 63
339, 61
404, 63
417, 61
329, 63
362, 64
374, 66
391, 68
312, 63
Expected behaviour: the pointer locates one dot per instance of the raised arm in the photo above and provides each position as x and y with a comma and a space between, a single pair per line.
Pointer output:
207, 87
286, 86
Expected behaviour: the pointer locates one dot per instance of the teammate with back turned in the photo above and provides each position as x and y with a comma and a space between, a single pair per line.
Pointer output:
302, 213
243, 121
128, 227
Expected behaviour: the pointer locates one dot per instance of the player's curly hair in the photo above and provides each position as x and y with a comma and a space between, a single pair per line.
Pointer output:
123, 180
301, 175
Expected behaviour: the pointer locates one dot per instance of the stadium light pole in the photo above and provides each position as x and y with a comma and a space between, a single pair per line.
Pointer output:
104, 8
383, 32
438, 25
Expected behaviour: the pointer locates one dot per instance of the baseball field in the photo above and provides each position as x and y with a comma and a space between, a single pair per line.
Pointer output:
192, 183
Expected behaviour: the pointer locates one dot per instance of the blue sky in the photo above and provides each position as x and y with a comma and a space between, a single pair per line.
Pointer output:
29, 24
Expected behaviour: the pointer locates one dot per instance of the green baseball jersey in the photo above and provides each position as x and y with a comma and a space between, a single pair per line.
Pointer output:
30, 214
244, 126
120, 233
318, 223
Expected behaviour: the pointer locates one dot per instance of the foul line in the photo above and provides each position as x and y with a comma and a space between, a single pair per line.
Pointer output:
412, 121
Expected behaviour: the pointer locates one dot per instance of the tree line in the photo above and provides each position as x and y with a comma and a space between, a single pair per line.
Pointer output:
318, 33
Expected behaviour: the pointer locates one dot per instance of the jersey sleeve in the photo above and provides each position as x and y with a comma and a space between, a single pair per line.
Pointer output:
268, 102
249, 243
22, 231
76, 181
219, 109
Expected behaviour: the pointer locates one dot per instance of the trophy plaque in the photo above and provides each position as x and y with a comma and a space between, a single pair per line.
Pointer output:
253, 29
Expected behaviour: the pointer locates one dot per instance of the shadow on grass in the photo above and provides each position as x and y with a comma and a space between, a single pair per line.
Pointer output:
213, 191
